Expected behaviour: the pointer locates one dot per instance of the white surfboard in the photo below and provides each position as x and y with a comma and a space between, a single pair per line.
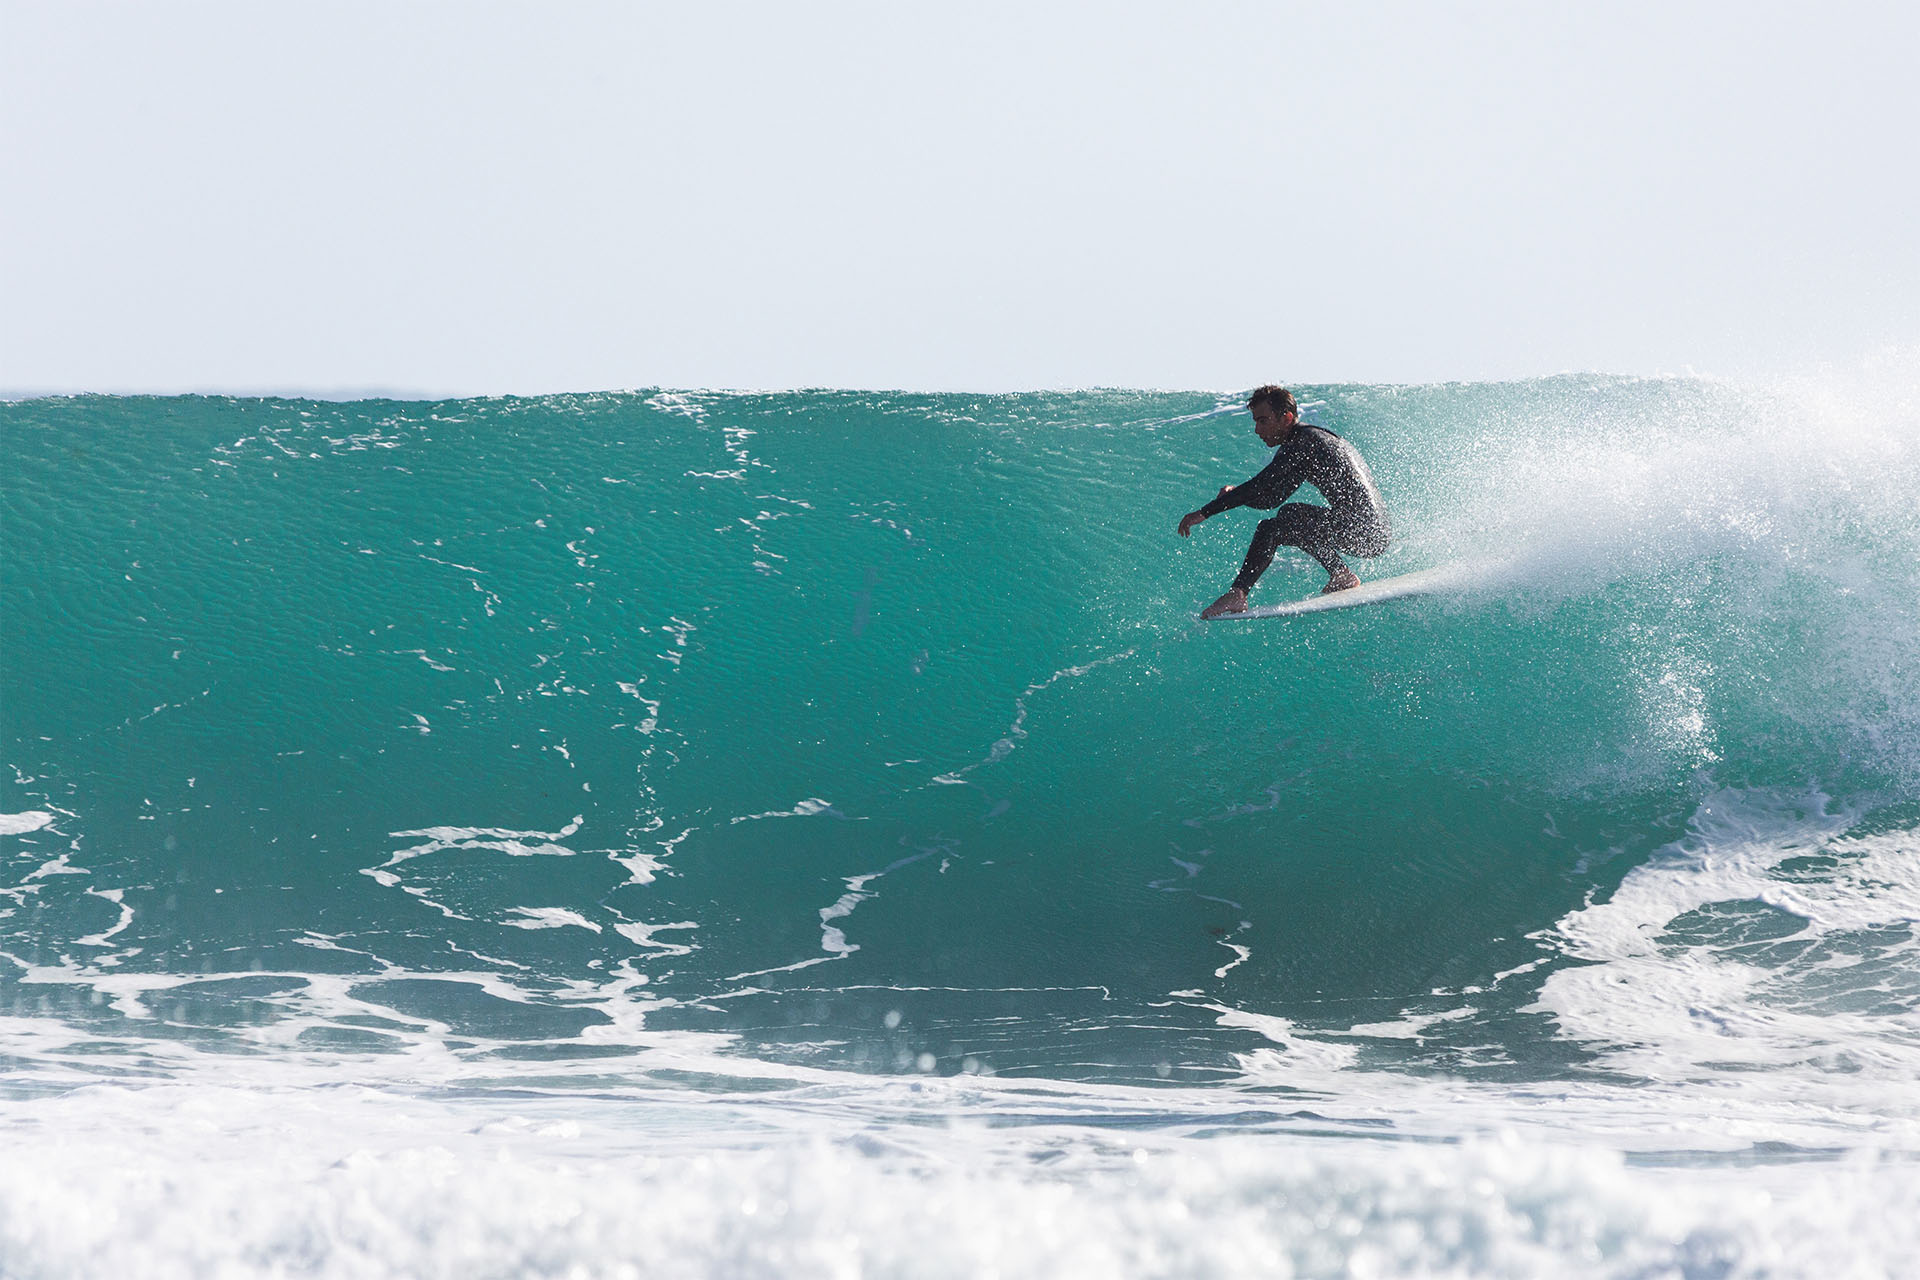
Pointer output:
1421, 583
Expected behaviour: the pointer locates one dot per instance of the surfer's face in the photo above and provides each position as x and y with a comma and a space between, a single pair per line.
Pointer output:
1272, 427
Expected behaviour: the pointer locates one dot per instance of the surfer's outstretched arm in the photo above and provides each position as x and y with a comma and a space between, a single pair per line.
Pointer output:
1193, 518
1274, 484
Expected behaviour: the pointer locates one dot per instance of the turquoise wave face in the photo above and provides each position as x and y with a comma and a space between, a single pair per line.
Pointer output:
872, 726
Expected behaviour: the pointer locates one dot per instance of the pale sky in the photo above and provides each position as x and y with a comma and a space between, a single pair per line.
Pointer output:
483, 197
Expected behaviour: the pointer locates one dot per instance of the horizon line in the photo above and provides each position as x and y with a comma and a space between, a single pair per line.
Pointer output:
349, 393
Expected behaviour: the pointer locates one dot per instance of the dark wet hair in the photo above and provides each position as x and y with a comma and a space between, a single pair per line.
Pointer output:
1279, 397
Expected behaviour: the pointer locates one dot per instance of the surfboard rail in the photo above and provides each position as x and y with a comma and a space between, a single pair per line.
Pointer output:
1418, 583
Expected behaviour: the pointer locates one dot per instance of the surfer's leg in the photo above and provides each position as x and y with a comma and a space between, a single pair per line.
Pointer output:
1355, 539
1266, 540
1297, 524
1368, 540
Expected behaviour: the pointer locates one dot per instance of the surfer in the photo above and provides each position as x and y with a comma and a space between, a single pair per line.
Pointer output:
1353, 520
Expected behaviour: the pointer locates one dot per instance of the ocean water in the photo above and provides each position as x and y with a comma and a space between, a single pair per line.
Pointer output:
809, 834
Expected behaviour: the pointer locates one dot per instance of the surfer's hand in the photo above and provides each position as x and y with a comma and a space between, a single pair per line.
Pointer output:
1189, 520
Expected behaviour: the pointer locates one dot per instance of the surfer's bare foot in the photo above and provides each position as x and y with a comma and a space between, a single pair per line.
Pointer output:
1235, 601
1345, 580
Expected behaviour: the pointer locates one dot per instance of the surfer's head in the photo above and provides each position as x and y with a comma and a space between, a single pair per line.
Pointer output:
1274, 413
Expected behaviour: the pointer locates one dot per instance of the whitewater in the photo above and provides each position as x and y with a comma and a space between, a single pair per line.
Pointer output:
810, 834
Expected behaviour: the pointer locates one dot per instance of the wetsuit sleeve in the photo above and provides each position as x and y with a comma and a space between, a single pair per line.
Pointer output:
1273, 486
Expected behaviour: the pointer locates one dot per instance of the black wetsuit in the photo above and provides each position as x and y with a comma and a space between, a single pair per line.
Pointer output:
1353, 521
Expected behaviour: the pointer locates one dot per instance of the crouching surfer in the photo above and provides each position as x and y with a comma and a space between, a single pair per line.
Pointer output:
1353, 521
